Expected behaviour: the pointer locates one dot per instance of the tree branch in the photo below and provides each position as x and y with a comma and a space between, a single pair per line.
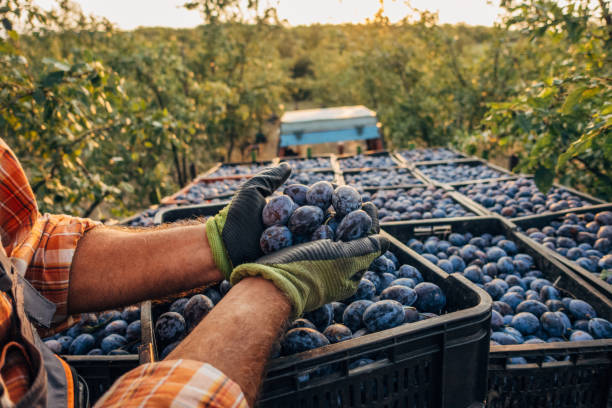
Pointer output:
592, 169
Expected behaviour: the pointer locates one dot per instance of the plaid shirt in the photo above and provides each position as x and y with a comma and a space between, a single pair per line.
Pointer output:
42, 247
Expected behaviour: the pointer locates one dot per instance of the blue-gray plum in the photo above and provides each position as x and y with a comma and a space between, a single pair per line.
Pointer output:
301, 322
366, 290
383, 315
526, 323
302, 339
297, 192
108, 316
532, 306
353, 314
169, 327
129, 314
277, 210
579, 335
553, 324
503, 338
338, 310
337, 332
116, 327
404, 282
275, 237
411, 314
133, 331
409, 271
581, 310
497, 321
354, 225
600, 328
513, 299
402, 294
515, 333
196, 309
179, 305
430, 297
321, 317
323, 232
382, 264
345, 199
305, 220
112, 342
320, 194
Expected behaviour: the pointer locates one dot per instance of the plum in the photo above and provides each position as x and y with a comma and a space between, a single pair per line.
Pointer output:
337, 332
302, 339
382, 315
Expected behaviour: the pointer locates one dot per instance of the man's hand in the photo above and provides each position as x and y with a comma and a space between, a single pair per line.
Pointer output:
316, 273
234, 233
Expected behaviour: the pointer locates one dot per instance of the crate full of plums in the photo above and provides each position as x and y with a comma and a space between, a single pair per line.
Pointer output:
551, 334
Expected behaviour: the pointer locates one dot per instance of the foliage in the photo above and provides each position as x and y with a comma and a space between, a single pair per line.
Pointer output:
561, 120
108, 120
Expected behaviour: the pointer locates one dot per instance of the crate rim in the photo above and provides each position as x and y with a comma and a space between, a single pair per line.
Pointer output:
160, 214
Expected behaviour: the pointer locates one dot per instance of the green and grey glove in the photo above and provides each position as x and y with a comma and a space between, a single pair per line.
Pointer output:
318, 272
233, 234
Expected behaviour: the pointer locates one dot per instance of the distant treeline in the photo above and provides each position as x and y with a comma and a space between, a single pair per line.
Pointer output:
98, 115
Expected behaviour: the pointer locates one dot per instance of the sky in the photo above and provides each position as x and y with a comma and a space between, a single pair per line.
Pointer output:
129, 14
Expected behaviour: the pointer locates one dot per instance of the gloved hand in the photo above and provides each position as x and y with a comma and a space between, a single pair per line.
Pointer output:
318, 272
233, 234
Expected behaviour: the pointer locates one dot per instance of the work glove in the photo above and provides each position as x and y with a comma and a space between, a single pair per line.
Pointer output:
315, 273
233, 234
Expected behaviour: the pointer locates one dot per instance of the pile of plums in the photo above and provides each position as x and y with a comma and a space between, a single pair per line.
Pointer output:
112, 332
433, 154
381, 178
363, 161
583, 238
418, 203
521, 197
456, 172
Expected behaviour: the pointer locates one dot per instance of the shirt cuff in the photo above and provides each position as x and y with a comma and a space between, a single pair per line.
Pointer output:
185, 383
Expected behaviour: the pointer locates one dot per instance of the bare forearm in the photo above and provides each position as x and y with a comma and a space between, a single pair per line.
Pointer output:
238, 334
114, 267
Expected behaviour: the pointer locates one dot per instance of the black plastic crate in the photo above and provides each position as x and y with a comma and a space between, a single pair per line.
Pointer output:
588, 373
456, 198
417, 179
329, 158
379, 153
187, 212
583, 196
456, 155
466, 162
100, 372
539, 221
438, 362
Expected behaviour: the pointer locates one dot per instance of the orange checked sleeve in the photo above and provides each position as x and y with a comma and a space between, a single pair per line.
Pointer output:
43, 245
180, 383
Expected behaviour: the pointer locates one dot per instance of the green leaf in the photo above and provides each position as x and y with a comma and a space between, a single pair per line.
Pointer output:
52, 79
60, 66
572, 99
544, 178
